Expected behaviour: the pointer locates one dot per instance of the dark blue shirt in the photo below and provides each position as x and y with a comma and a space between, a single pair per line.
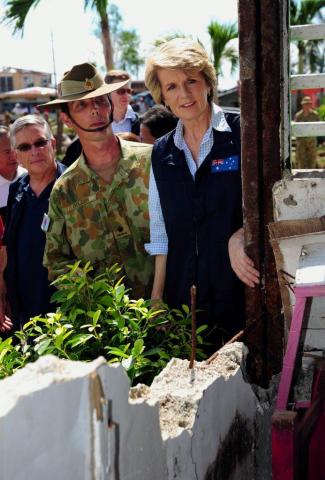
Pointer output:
34, 291
28, 289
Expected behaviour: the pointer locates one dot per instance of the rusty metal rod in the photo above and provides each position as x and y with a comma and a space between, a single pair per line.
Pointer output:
193, 315
235, 338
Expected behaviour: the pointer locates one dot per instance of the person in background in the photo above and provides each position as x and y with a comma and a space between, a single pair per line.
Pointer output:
125, 119
25, 290
195, 200
99, 207
9, 169
306, 150
7, 118
156, 122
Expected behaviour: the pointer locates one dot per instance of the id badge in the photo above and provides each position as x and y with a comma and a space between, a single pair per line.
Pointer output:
45, 223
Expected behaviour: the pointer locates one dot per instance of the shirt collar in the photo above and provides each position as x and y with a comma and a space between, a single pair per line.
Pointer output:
19, 172
218, 122
129, 115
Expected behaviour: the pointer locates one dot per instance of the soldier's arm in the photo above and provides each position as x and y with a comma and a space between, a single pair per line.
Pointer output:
57, 254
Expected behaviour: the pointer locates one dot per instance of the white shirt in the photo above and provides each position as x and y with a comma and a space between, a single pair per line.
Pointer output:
5, 184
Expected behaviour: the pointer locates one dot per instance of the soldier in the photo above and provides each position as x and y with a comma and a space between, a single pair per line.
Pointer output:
98, 210
306, 150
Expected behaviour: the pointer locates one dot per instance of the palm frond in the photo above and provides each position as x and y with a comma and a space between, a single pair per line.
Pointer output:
17, 11
100, 6
306, 12
231, 55
220, 35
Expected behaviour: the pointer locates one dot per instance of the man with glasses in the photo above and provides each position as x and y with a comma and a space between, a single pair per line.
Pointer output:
98, 208
24, 286
125, 119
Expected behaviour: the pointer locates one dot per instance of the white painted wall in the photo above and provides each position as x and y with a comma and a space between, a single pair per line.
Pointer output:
296, 199
70, 420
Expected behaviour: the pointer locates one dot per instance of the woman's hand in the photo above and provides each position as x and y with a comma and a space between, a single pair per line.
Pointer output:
5, 321
241, 264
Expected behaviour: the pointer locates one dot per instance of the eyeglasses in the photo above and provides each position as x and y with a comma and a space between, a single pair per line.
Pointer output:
25, 147
123, 91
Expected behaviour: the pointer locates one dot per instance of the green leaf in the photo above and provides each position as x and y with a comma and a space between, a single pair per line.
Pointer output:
42, 347
201, 328
117, 351
186, 309
71, 295
138, 347
79, 339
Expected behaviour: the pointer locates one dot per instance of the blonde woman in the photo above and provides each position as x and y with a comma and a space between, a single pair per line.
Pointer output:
195, 198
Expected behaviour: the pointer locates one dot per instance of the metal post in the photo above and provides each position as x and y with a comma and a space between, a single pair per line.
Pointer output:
260, 73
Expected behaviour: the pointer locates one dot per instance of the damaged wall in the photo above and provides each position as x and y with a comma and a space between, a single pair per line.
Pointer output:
62, 419
299, 204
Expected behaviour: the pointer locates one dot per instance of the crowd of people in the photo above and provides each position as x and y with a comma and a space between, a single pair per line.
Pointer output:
158, 193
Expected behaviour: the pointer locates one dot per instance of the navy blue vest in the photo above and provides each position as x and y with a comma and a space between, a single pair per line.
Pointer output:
200, 215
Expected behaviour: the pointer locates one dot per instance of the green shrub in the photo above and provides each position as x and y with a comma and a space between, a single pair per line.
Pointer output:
97, 317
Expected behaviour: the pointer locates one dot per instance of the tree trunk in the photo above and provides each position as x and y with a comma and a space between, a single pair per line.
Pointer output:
106, 41
215, 93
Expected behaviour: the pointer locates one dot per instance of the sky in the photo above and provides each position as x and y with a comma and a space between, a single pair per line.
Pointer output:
72, 30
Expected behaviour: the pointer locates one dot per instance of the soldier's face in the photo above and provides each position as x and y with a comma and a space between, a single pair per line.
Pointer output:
90, 114
8, 161
34, 150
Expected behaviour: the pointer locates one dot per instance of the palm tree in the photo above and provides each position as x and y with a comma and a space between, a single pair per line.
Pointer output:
221, 34
310, 53
17, 11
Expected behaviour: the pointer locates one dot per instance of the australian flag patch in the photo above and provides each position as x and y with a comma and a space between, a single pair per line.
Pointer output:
227, 164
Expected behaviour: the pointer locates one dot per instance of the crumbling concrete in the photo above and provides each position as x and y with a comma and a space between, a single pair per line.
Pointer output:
61, 419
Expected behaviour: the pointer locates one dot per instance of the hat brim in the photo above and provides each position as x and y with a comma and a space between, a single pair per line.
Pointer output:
103, 90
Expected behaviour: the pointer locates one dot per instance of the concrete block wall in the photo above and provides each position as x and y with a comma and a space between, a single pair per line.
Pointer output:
73, 420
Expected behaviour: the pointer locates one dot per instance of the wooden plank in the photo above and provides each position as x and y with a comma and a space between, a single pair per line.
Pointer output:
307, 32
316, 470
308, 129
311, 80
289, 361
284, 445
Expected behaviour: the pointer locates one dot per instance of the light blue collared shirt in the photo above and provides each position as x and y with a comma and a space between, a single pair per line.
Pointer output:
124, 125
158, 237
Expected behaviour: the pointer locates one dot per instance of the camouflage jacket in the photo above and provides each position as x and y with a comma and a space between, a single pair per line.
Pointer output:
311, 117
91, 220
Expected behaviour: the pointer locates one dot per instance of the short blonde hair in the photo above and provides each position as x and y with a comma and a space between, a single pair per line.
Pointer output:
178, 53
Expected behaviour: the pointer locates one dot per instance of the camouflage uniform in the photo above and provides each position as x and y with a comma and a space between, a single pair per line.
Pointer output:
306, 150
91, 220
